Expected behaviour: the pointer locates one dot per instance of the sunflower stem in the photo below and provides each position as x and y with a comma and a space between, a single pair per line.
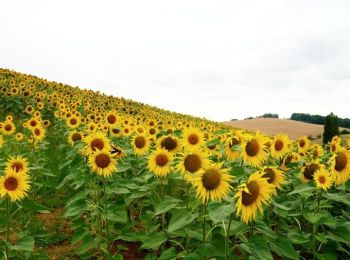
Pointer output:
204, 212
187, 194
318, 201
105, 210
7, 226
228, 237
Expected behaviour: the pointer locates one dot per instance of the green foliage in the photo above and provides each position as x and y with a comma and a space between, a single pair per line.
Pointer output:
330, 128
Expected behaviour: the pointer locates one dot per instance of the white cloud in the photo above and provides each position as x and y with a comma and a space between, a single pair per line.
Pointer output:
218, 59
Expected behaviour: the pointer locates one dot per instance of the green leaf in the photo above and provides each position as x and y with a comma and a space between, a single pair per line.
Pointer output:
341, 233
209, 250
283, 247
78, 235
117, 213
298, 238
213, 142
168, 254
344, 198
24, 244
219, 211
167, 204
303, 190
154, 241
259, 247
180, 219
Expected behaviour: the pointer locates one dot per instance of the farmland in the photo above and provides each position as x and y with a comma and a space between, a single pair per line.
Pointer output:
84, 175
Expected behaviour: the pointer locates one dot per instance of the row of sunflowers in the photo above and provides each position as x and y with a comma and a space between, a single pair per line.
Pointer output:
173, 185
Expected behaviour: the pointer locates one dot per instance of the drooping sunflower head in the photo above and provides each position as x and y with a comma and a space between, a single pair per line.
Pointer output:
102, 163
17, 164
140, 144
335, 144
308, 171
191, 162
169, 143
14, 184
159, 162
316, 151
274, 176
192, 138
254, 150
323, 179
233, 146
212, 183
340, 166
251, 196
280, 146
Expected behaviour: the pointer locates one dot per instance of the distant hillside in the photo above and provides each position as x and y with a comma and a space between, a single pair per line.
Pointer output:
317, 119
272, 126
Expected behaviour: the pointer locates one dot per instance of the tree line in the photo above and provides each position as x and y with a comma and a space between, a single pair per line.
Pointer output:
317, 119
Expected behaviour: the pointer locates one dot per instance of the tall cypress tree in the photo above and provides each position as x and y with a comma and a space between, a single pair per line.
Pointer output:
331, 128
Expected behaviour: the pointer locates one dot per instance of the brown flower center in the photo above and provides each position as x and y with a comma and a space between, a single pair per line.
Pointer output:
322, 179
192, 163
161, 160
8, 127
11, 184
168, 143
302, 143
211, 179
152, 131
340, 162
252, 148
278, 145
33, 123
270, 175
102, 160
37, 132
76, 137
140, 142
252, 196
193, 139
111, 119
97, 144
17, 166
73, 121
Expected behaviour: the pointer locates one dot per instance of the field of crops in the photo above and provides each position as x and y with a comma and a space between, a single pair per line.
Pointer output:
131, 181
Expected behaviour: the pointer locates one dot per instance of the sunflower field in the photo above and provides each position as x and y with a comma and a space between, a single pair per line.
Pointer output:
84, 175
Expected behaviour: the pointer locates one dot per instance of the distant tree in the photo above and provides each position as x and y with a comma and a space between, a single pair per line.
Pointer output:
331, 128
269, 115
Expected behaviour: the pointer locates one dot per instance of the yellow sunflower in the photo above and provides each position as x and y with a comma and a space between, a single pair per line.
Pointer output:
170, 143
212, 183
280, 146
159, 162
192, 138
316, 151
233, 147
191, 162
74, 136
340, 166
8, 128
73, 122
96, 141
111, 118
274, 176
14, 184
38, 133
140, 144
251, 196
335, 144
323, 179
303, 144
102, 163
19, 136
254, 150
17, 164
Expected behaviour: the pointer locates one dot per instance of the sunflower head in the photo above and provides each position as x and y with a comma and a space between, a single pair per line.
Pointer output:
17, 164
159, 162
254, 150
340, 166
140, 143
308, 171
193, 138
274, 176
191, 162
169, 143
102, 163
14, 184
323, 179
280, 146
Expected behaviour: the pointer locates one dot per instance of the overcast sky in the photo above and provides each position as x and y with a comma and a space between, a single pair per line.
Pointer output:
214, 59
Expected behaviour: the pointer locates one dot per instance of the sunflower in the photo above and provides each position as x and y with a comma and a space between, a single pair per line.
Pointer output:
191, 162
74, 137
102, 163
316, 151
14, 184
159, 162
280, 146
116, 132
17, 164
323, 179
251, 196
96, 141
274, 176
8, 128
233, 147
303, 144
254, 150
73, 122
111, 118
19, 136
340, 166
38, 133
192, 138
335, 145
169, 143
212, 183
140, 144
308, 171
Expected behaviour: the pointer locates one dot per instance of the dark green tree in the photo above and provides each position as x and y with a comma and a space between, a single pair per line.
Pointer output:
331, 128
